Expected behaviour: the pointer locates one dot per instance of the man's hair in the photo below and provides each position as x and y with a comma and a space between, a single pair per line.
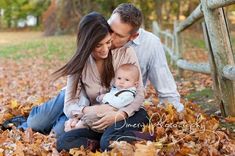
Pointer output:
130, 68
130, 14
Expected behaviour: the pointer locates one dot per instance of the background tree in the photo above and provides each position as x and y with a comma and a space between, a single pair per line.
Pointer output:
15, 10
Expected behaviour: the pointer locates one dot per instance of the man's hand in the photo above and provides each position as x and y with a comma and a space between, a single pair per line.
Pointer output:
107, 119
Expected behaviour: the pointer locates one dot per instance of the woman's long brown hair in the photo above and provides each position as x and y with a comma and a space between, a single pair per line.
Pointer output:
92, 29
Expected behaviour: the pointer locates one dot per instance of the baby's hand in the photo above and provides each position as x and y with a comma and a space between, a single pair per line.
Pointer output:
70, 124
80, 124
101, 97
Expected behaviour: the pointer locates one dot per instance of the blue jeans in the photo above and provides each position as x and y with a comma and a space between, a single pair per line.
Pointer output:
48, 116
122, 130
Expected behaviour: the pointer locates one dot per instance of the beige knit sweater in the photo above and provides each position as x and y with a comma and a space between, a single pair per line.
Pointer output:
91, 85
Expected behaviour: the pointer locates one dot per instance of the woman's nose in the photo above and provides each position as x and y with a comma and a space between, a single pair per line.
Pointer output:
106, 48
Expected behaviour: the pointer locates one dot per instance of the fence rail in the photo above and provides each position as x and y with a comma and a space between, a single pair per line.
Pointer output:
221, 65
215, 4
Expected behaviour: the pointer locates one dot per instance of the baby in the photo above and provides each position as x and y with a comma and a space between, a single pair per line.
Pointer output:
121, 94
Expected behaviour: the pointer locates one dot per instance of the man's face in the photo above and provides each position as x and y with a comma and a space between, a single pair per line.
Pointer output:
121, 31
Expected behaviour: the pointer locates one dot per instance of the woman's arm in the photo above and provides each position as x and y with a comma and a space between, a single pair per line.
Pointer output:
73, 105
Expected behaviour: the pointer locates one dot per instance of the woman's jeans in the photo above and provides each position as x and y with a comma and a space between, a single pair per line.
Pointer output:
121, 130
48, 116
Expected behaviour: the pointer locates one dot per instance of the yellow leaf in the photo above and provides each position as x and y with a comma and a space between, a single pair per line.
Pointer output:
1, 151
95, 154
14, 104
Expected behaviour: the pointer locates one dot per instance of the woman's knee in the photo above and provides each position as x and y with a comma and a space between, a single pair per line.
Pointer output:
39, 124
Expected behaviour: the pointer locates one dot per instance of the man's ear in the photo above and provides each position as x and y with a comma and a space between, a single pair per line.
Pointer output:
133, 36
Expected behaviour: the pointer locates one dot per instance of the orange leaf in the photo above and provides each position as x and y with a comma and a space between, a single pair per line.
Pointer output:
230, 119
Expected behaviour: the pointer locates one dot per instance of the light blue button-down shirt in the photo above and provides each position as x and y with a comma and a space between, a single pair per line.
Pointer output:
154, 66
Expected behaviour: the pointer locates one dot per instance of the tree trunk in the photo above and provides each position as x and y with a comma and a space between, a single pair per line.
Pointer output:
178, 10
158, 4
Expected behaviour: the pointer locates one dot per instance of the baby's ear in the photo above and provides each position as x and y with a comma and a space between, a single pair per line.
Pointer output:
136, 83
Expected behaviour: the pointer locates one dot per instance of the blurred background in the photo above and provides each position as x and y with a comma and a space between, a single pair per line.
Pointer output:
62, 16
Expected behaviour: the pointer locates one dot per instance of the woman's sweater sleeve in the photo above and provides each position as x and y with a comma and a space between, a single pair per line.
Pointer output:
73, 105
130, 57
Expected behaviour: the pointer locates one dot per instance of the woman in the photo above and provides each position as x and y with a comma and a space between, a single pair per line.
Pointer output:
90, 71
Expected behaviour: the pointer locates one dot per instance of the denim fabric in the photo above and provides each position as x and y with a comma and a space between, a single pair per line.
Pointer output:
48, 116
76, 138
121, 130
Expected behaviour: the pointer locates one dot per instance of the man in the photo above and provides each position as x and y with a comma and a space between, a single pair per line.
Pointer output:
125, 22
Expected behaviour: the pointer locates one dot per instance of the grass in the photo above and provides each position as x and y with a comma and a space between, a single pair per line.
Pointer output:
205, 99
205, 93
60, 47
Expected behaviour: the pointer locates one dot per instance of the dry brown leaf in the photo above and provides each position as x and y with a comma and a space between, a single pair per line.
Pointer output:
19, 149
122, 147
147, 149
230, 119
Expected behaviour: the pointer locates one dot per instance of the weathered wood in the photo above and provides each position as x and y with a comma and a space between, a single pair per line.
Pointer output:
192, 18
215, 84
171, 53
156, 30
167, 34
221, 51
197, 67
229, 72
214, 4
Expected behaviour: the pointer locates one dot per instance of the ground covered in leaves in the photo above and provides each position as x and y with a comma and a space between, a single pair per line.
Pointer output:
26, 82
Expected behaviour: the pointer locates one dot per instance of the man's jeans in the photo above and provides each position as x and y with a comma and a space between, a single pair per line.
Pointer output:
48, 116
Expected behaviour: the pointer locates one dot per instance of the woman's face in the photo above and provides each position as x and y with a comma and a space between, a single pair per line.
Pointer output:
102, 48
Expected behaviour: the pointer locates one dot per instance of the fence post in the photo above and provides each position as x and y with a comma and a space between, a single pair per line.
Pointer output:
215, 86
221, 52
177, 46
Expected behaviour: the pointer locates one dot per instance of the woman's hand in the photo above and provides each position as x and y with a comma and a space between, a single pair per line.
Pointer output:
108, 118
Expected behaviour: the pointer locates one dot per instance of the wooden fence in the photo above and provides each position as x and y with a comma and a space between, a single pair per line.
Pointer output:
221, 63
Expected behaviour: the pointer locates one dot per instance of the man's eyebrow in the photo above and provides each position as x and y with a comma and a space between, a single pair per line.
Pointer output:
119, 34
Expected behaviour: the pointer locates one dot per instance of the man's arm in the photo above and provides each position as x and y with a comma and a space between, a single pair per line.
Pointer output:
160, 76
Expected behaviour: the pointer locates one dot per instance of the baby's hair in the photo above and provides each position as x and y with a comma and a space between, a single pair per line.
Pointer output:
132, 68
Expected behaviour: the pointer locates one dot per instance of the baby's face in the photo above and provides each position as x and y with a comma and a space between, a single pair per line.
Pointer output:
125, 79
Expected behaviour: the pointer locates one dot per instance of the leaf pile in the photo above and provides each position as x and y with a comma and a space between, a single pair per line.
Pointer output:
24, 84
